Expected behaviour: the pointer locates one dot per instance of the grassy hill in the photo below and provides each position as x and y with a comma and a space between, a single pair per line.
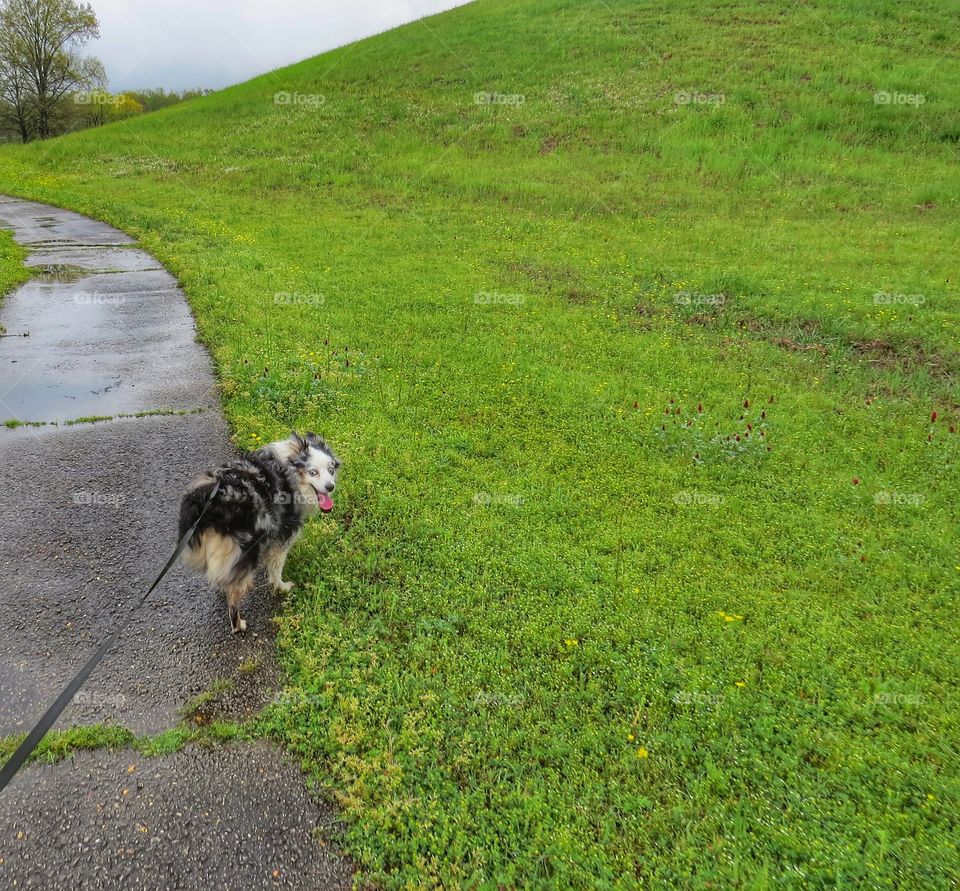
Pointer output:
643, 364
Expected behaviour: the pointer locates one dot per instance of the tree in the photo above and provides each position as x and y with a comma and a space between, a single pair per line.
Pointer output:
125, 106
156, 99
15, 105
41, 41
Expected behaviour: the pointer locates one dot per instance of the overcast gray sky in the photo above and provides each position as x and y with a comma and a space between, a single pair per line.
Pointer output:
179, 44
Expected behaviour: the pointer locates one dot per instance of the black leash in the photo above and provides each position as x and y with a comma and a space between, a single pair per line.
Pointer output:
25, 749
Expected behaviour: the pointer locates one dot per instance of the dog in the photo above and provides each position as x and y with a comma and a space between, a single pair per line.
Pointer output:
264, 499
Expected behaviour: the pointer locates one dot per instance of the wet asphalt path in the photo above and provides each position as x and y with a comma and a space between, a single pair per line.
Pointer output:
87, 518
230, 819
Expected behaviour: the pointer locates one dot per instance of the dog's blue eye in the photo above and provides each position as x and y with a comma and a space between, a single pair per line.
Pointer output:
312, 472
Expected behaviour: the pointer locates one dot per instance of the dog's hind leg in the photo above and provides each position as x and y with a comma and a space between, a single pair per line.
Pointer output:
235, 595
276, 559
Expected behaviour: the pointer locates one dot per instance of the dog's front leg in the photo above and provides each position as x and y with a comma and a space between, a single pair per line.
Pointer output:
276, 560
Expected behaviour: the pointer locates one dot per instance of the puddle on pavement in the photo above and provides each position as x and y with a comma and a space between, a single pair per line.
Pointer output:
66, 368
68, 352
56, 397
60, 273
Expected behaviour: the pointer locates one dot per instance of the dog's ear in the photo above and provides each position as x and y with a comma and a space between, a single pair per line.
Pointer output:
299, 443
318, 442
299, 450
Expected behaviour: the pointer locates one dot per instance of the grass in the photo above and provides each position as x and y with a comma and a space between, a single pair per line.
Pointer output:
643, 570
193, 707
89, 419
60, 744
173, 740
14, 423
12, 270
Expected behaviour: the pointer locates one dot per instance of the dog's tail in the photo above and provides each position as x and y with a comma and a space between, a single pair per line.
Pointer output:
193, 504
210, 552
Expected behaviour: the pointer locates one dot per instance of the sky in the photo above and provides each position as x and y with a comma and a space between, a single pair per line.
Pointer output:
182, 44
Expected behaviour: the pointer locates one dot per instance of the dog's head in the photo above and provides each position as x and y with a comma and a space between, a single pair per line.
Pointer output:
316, 468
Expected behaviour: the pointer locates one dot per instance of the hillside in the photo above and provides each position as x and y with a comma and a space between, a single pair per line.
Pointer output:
635, 324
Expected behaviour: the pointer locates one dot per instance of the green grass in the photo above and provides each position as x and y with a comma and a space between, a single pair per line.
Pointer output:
13, 423
565, 629
196, 705
173, 740
89, 419
60, 744
12, 270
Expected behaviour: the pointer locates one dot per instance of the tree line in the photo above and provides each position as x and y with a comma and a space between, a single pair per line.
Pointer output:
48, 86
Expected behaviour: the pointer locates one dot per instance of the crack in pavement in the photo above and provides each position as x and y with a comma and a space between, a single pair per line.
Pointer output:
87, 516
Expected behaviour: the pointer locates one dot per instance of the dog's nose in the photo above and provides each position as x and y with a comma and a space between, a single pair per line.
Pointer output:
331, 486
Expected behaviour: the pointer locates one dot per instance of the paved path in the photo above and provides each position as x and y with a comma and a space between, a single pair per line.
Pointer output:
87, 518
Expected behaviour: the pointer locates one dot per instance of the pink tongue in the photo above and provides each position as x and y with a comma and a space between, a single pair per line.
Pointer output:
326, 502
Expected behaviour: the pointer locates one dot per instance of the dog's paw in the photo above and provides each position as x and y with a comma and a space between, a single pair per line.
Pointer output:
240, 626
285, 587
